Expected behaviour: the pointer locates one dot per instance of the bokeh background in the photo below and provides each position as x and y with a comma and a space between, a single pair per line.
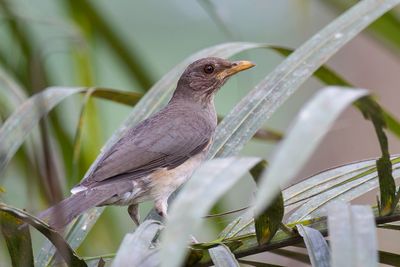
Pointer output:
129, 45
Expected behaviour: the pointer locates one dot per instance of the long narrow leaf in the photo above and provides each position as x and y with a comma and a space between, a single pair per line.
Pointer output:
207, 185
63, 248
268, 222
317, 247
17, 127
223, 257
355, 181
18, 240
137, 248
14, 131
385, 27
352, 236
312, 123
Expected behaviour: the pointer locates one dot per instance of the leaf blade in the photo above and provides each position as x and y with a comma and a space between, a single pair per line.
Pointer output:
352, 241
64, 249
317, 247
305, 134
222, 256
201, 191
18, 240
135, 249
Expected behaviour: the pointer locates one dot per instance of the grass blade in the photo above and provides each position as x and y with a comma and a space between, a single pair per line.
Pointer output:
207, 185
310, 126
317, 248
352, 235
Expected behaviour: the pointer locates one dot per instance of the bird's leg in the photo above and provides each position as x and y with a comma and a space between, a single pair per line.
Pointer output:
161, 206
133, 211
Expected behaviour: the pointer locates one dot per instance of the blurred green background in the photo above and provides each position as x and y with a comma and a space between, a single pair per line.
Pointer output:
129, 45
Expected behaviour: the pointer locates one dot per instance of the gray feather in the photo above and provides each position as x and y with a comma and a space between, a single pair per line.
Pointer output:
165, 140
61, 214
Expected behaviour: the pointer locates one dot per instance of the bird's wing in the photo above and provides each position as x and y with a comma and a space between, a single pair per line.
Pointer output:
165, 140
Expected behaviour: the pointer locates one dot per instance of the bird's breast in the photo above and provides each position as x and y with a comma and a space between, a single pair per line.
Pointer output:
165, 181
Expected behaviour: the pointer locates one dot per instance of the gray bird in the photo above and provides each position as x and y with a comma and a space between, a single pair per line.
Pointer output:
151, 160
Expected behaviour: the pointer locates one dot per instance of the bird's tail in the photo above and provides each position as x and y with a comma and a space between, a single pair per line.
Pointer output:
61, 214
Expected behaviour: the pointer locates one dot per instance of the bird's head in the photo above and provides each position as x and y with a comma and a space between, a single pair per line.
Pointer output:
204, 77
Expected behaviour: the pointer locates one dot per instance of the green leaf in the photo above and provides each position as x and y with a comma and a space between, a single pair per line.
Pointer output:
63, 248
247, 117
372, 111
18, 240
313, 121
387, 185
268, 222
345, 183
392, 123
222, 256
317, 248
17, 127
207, 185
352, 235
137, 249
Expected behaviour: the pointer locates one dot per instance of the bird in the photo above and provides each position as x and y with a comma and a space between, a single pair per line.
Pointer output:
155, 157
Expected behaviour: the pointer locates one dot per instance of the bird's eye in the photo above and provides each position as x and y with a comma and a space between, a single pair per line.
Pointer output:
209, 69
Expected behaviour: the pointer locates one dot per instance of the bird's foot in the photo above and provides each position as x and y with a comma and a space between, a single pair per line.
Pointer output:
161, 207
133, 211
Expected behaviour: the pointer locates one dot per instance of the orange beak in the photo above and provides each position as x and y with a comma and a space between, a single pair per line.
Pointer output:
236, 67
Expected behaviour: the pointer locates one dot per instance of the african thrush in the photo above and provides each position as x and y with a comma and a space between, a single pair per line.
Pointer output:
151, 160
